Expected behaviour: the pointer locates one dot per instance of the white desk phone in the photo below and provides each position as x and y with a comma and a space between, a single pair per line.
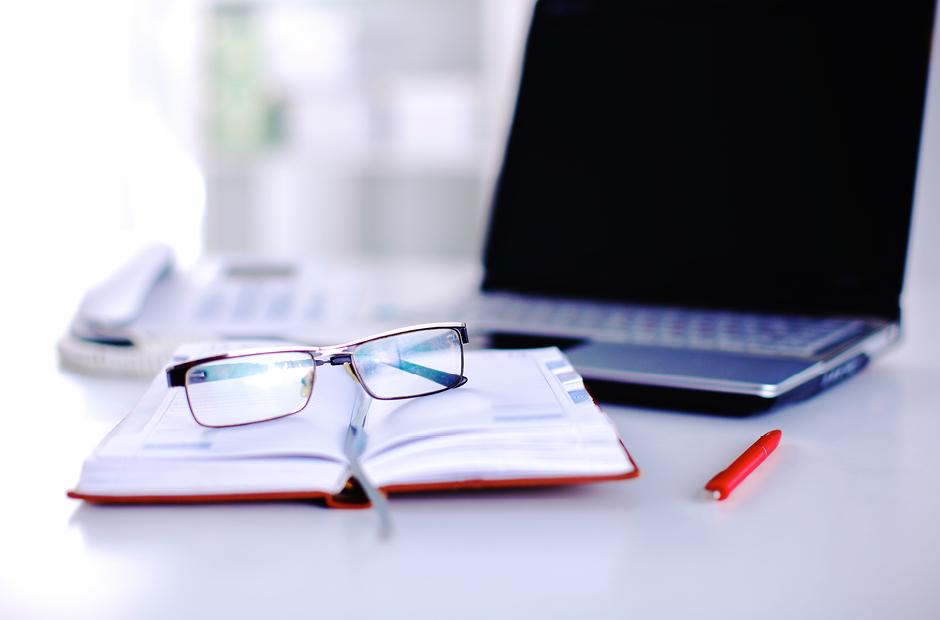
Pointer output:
131, 322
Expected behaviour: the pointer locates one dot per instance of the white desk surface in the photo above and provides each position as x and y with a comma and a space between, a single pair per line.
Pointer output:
842, 521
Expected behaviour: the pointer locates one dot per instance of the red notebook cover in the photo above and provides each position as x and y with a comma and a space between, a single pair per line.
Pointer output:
353, 498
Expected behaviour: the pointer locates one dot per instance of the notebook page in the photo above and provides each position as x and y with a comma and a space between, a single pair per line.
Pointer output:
170, 432
180, 477
522, 414
159, 448
503, 388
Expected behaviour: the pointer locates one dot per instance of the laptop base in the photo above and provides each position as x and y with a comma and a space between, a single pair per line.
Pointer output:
675, 398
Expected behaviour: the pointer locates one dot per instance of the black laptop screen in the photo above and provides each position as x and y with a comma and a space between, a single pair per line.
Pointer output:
745, 154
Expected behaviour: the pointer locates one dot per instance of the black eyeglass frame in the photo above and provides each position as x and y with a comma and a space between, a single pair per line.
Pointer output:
334, 355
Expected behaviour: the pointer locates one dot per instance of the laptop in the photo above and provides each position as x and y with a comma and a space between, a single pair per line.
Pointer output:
708, 203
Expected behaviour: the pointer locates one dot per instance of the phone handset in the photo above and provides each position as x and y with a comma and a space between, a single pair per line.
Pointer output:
117, 301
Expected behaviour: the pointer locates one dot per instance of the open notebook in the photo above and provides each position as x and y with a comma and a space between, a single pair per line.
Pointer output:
523, 418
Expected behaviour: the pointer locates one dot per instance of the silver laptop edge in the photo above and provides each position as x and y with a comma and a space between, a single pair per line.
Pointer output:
869, 345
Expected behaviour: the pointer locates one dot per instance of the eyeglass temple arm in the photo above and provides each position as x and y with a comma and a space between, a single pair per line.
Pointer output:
447, 379
235, 370
238, 370
355, 445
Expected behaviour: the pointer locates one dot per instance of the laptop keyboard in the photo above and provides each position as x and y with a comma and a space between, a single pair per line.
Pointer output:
667, 327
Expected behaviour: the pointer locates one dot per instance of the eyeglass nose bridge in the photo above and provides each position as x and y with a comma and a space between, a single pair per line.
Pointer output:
338, 357
334, 356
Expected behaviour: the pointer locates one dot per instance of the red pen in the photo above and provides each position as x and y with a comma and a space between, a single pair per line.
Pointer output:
725, 482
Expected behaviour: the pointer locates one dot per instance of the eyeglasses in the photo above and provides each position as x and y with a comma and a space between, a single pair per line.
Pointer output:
245, 387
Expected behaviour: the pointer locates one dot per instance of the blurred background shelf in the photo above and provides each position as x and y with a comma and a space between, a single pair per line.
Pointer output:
363, 128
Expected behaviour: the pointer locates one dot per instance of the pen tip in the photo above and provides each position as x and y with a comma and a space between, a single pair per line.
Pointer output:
716, 494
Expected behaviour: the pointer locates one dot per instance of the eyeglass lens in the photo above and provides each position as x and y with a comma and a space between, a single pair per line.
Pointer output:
253, 388
410, 364
250, 388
